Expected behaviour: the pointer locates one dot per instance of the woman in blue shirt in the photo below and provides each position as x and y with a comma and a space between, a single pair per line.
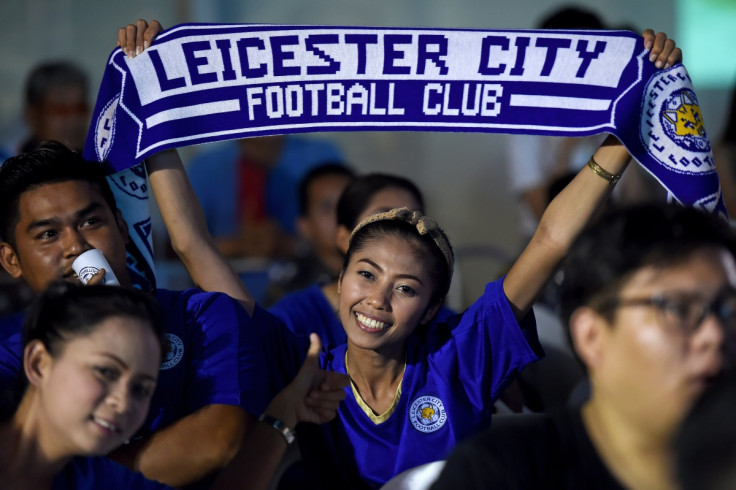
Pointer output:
91, 359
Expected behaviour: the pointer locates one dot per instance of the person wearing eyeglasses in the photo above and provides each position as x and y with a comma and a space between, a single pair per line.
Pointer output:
648, 297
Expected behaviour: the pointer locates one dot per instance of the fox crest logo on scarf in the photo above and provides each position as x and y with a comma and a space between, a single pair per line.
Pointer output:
683, 122
671, 112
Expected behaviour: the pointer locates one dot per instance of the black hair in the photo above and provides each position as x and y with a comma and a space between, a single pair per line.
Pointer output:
65, 311
53, 74
572, 17
625, 240
49, 163
324, 169
705, 452
357, 195
435, 262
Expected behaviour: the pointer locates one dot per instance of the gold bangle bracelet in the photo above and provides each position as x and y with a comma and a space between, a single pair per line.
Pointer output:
598, 170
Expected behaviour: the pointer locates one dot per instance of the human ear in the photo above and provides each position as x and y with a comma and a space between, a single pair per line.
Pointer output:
36, 360
343, 238
9, 260
587, 335
339, 282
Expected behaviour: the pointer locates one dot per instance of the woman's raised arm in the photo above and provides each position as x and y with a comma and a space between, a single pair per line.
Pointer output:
180, 209
185, 221
570, 211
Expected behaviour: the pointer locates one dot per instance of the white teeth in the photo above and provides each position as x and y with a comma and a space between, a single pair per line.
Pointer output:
107, 425
370, 323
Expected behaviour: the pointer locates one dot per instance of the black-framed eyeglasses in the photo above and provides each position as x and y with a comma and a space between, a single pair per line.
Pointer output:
685, 311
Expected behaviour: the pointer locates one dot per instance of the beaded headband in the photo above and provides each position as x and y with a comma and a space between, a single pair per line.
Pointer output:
424, 225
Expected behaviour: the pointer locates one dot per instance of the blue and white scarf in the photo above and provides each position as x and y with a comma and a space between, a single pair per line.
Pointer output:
208, 82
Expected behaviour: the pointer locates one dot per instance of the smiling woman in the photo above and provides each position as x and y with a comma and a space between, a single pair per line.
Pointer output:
416, 386
91, 358
399, 277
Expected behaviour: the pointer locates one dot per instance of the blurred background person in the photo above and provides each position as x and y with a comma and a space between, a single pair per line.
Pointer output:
56, 105
248, 189
317, 259
651, 323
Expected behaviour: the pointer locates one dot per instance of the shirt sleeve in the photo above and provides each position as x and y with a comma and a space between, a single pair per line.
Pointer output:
231, 357
485, 347
225, 357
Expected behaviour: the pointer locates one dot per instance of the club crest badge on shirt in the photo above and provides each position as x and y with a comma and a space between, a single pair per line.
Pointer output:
427, 414
174, 352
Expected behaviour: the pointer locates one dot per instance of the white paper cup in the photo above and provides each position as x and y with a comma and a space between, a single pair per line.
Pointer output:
89, 263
